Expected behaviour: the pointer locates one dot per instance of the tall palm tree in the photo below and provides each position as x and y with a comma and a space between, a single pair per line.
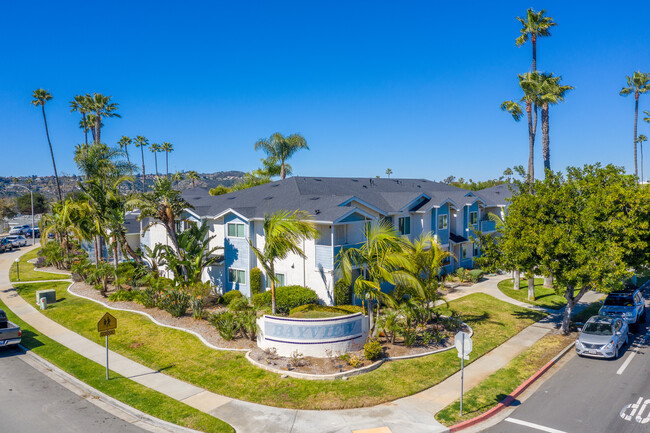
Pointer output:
640, 139
82, 104
530, 84
281, 148
41, 96
102, 107
193, 176
638, 83
389, 172
142, 142
177, 177
284, 231
124, 143
155, 148
551, 92
167, 147
535, 25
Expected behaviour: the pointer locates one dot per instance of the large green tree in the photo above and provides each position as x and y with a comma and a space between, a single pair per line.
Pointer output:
590, 228
284, 231
25, 203
40, 97
637, 84
281, 148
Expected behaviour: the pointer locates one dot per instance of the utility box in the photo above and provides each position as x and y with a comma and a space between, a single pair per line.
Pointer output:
49, 295
42, 303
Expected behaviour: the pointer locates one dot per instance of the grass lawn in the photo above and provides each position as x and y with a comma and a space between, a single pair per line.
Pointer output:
118, 387
546, 298
27, 272
228, 373
495, 388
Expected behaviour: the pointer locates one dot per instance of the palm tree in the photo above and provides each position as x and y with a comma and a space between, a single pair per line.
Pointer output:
389, 172
551, 93
124, 142
283, 233
193, 176
81, 103
640, 139
638, 83
142, 142
102, 107
155, 148
535, 25
41, 96
281, 148
167, 147
530, 84
177, 177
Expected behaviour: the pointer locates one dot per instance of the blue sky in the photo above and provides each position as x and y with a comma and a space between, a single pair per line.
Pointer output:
414, 86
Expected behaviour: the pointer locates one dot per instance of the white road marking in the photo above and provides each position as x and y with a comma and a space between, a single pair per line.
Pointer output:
535, 426
626, 363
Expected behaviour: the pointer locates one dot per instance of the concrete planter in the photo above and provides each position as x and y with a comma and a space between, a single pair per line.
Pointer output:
313, 337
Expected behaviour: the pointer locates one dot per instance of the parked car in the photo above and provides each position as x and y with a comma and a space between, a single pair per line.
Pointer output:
10, 333
37, 233
6, 245
602, 337
19, 230
17, 240
628, 304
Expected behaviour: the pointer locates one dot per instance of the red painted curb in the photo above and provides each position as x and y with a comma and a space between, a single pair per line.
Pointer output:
511, 397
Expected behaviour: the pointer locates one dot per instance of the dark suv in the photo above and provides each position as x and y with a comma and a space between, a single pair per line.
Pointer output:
6, 245
628, 304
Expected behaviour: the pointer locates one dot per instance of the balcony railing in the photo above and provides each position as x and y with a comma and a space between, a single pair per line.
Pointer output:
488, 226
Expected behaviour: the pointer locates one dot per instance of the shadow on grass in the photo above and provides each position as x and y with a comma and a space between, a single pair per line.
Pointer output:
30, 340
529, 315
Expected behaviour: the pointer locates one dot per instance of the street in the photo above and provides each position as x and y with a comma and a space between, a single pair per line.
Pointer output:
31, 402
591, 395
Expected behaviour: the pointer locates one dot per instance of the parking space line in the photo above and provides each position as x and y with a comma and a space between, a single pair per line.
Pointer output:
535, 426
626, 363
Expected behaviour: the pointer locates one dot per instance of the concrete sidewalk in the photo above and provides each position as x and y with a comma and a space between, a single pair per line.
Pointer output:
410, 414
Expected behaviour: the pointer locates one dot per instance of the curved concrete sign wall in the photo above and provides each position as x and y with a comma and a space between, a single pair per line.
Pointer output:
313, 337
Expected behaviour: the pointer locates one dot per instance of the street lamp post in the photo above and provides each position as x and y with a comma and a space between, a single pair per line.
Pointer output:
31, 194
17, 269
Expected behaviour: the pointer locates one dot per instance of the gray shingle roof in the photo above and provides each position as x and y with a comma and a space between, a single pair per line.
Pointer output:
323, 197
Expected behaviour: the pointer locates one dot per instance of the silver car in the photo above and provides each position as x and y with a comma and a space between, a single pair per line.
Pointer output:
17, 241
602, 337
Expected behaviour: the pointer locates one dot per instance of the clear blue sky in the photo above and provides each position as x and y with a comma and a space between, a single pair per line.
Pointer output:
414, 86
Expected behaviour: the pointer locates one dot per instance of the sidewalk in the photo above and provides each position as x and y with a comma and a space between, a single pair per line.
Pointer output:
410, 414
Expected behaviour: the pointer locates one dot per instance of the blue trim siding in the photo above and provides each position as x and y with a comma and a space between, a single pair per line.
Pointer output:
443, 235
236, 255
473, 208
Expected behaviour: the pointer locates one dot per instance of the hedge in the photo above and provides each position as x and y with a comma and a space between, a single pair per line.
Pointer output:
256, 281
343, 309
286, 298
342, 293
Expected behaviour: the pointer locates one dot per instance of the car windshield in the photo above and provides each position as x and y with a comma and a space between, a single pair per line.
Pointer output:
598, 328
619, 301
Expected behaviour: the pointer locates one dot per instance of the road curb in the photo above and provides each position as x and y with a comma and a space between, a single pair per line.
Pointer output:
512, 396
121, 410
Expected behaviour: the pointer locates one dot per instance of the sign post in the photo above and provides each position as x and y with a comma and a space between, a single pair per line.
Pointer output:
106, 326
463, 343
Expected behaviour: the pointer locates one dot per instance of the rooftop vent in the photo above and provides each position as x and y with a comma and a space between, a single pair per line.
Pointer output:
275, 184
197, 198
231, 198
314, 198
355, 180
365, 186
268, 198
318, 180
317, 211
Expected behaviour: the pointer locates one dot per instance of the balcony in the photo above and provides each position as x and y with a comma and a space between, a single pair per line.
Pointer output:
488, 226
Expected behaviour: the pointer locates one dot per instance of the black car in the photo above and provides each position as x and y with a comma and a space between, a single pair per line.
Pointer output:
6, 245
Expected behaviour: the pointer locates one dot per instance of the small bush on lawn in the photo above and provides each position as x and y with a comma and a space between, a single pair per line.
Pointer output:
475, 275
197, 303
462, 274
286, 298
125, 295
256, 281
372, 350
175, 302
230, 296
247, 323
342, 293
240, 303
226, 324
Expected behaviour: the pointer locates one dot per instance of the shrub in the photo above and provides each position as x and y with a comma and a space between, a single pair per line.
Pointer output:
475, 275
297, 359
286, 298
226, 324
150, 297
462, 275
239, 303
247, 323
409, 336
230, 296
125, 295
175, 302
372, 350
342, 309
342, 293
197, 303
256, 281
352, 360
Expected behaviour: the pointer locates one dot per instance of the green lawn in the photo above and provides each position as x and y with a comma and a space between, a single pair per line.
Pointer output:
495, 388
183, 356
27, 272
118, 387
546, 298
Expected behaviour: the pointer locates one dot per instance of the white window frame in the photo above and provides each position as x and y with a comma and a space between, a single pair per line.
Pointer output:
445, 218
236, 224
277, 274
475, 251
237, 270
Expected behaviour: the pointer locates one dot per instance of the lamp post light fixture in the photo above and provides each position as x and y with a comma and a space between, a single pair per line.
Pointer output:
17, 269
31, 194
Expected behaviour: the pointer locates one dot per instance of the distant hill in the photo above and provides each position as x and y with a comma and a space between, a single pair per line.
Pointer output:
46, 185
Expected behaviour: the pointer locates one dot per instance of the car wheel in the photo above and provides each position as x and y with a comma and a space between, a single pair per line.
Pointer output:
615, 354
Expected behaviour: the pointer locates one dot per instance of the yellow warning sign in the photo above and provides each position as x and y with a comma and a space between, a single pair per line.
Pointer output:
107, 323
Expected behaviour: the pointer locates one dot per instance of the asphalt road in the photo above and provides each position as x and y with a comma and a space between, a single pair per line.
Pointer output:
591, 395
31, 402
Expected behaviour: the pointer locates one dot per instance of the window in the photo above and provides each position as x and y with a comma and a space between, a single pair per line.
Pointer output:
235, 230
405, 226
237, 276
473, 218
476, 252
442, 222
280, 278
463, 249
